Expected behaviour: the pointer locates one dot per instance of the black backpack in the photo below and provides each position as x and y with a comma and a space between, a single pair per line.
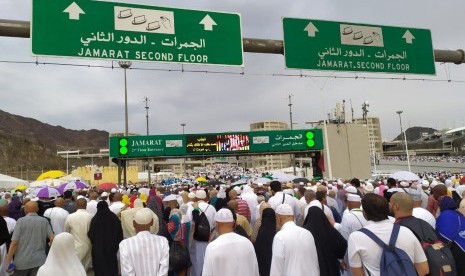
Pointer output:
202, 228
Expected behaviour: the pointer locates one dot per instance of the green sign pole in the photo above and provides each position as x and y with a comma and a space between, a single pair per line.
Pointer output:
341, 46
119, 31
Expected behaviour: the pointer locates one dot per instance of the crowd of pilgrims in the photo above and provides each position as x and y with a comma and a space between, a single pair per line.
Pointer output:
265, 229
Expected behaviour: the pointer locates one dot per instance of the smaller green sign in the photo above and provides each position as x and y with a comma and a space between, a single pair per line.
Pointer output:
341, 46
219, 144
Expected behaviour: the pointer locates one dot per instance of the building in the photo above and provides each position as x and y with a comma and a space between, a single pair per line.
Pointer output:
375, 142
268, 162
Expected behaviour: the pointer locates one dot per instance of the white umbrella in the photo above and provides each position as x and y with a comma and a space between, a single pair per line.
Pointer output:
47, 182
284, 177
261, 180
405, 176
45, 192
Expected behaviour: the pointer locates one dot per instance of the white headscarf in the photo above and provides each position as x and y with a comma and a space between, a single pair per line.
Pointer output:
62, 259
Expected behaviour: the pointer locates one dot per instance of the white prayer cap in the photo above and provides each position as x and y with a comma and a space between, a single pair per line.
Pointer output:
330, 186
301, 183
404, 184
351, 189
260, 184
224, 215
191, 195
369, 188
170, 198
340, 183
354, 198
448, 183
238, 190
425, 183
285, 210
80, 196
289, 192
200, 194
143, 216
113, 190
433, 184
104, 194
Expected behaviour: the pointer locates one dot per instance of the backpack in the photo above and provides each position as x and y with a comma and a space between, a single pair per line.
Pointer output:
440, 259
394, 261
202, 228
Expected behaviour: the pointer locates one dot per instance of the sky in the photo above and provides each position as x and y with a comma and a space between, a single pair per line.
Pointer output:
93, 98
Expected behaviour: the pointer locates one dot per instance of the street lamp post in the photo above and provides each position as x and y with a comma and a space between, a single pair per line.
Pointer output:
290, 116
149, 170
125, 65
405, 138
183, 125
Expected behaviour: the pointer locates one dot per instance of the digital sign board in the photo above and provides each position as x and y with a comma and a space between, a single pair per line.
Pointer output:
213, 143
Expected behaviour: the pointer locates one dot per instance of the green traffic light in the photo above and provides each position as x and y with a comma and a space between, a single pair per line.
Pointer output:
123, 142
123, 146
310, 139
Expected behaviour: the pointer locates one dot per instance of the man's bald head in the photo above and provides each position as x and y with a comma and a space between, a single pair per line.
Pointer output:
233, 205
59, 202
4, 209
93, 195
81, 203
404, 202
31, 207
232, 194
118, 197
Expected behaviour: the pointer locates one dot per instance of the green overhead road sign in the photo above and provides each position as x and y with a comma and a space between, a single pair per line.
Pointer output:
217, 144
119, 31
341, 46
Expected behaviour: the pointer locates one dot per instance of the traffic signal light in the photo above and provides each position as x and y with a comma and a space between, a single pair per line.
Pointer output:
310, 139
123, 146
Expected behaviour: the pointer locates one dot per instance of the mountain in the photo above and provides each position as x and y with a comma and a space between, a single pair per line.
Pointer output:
30, 146
415, 133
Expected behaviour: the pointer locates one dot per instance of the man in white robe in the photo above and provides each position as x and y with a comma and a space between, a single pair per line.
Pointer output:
197, 250
77, 224
294, 250
251, 199
230, 254
117, 205
127, 218
57, 216
92, 204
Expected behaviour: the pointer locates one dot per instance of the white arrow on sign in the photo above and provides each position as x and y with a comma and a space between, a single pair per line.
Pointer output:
208, 23
311, 29
74, 11
408, 37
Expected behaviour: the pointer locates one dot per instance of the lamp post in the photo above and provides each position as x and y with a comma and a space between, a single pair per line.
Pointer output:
405, 138
183, 125
290, 117
125, 65
149, 170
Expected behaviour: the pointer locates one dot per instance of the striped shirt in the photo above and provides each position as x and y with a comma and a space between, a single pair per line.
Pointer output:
243, 208
144, 254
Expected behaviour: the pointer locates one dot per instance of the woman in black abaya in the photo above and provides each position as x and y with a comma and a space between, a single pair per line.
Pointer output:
264, 242
105, 234
330, 244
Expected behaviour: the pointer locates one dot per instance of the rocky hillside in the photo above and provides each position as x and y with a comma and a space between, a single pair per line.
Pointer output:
28, 145
414, 133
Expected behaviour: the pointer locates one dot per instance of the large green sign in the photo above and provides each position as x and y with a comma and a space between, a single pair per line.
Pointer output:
340, 46
119, 31
231, 143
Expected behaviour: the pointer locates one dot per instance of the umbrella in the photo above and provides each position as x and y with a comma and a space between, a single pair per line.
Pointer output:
405, 175
107, 186
240, 182
51, 174
301, 179
215, 183
261, 180
284, 177
21, 187
45, 192
73, 185
201, 179
47, 182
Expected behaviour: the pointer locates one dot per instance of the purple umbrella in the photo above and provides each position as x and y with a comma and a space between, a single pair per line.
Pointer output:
73, 185
46, 192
